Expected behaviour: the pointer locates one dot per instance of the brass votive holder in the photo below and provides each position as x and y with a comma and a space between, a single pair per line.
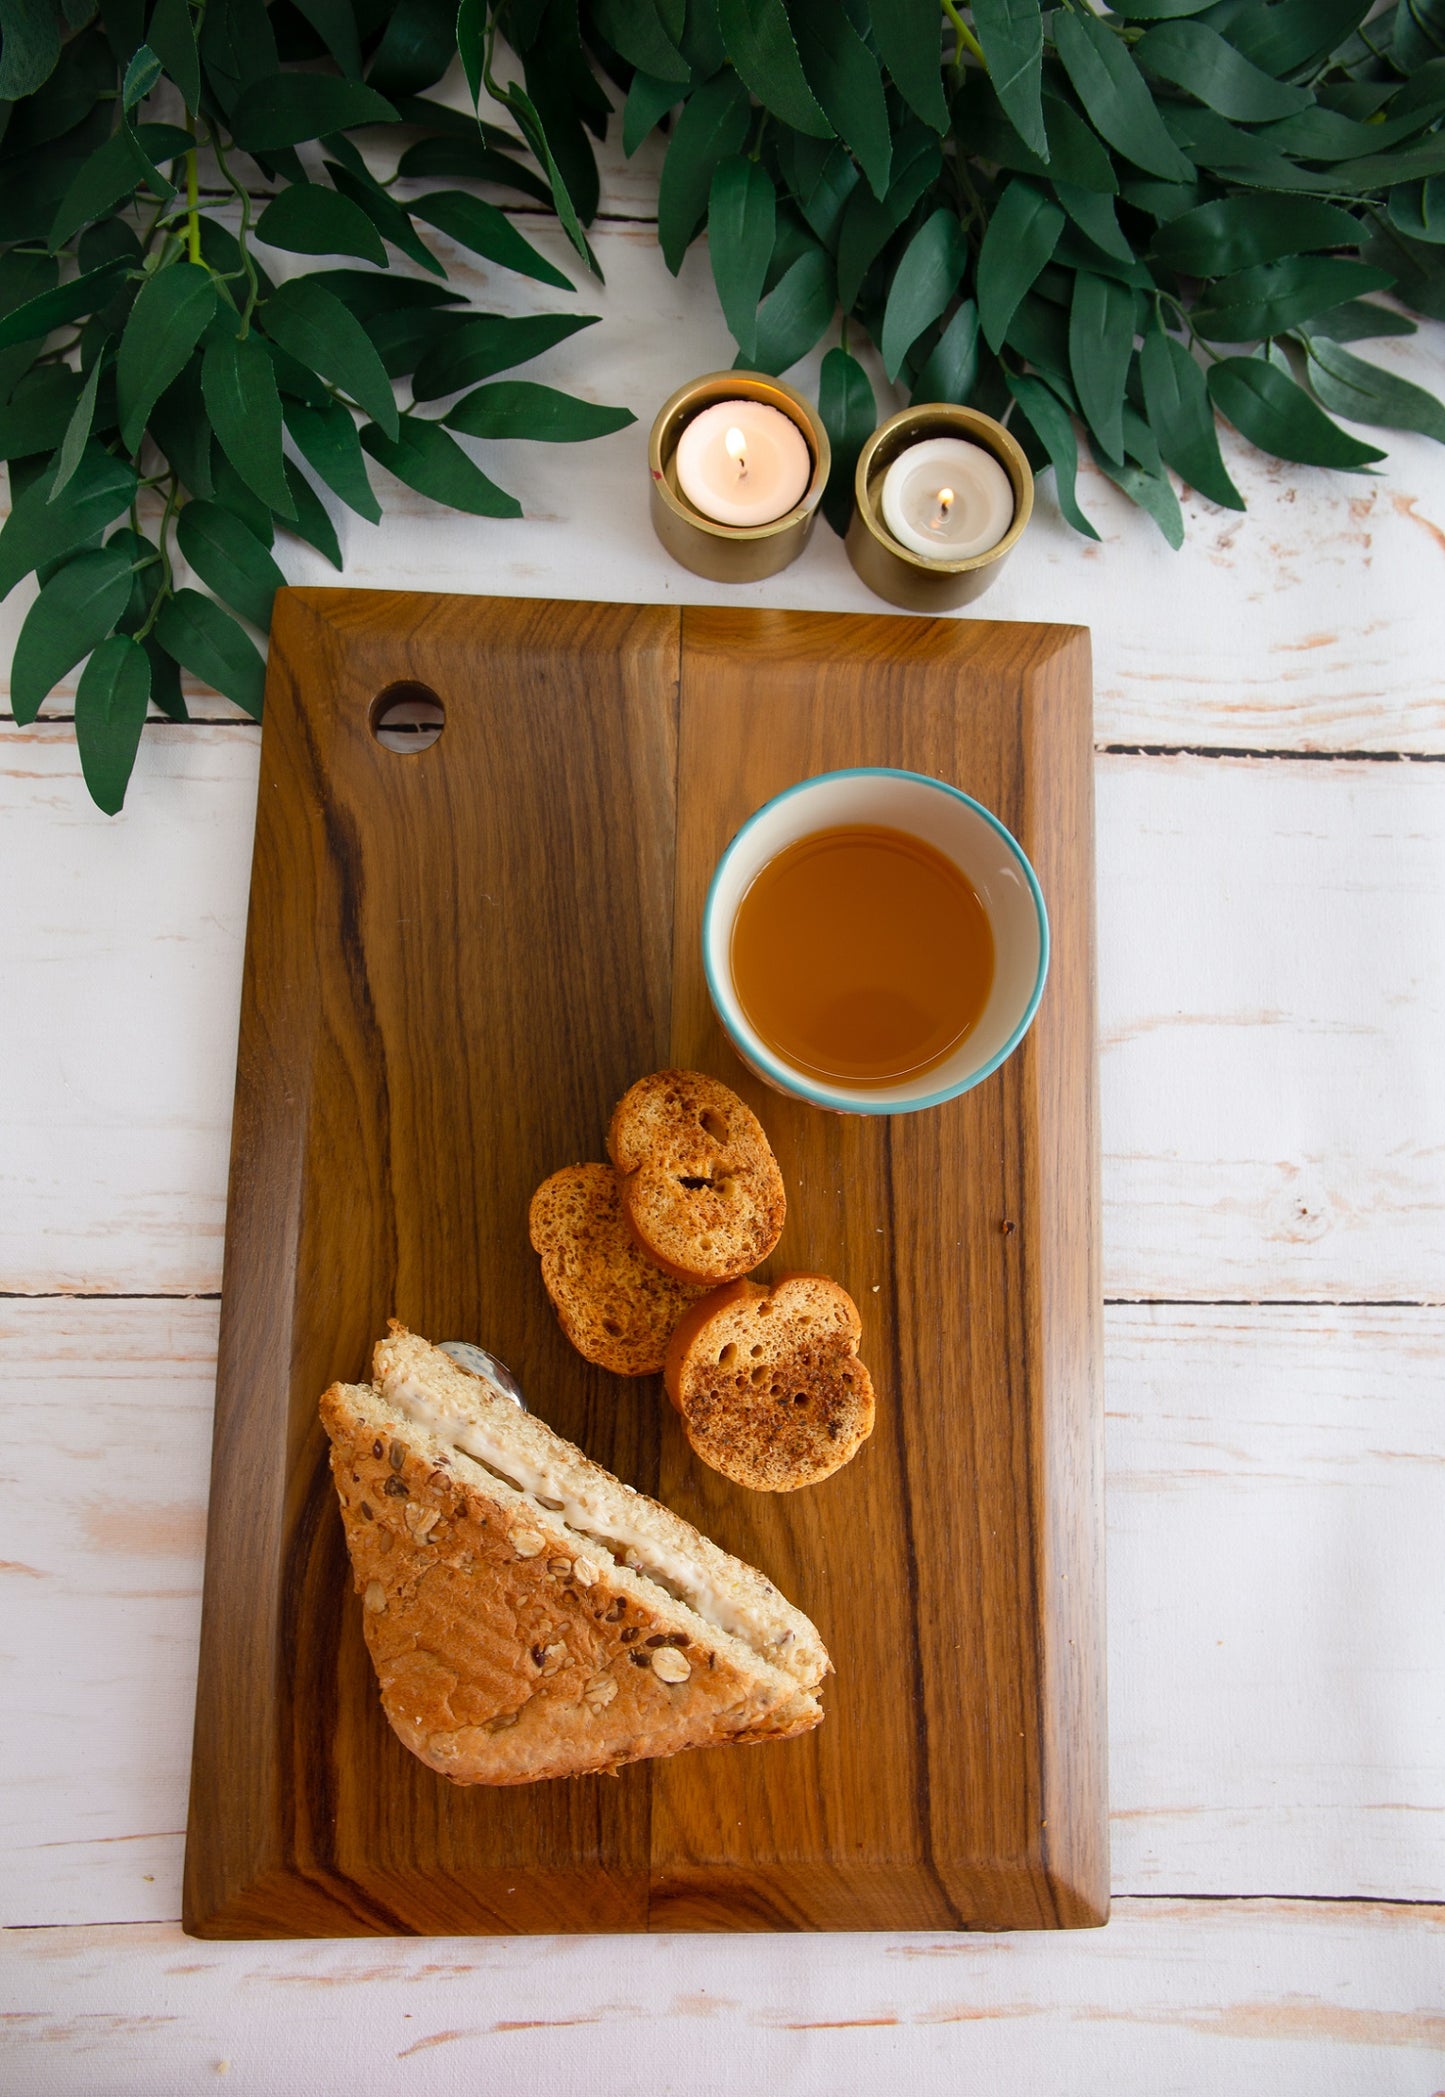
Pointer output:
736, 553
891, 571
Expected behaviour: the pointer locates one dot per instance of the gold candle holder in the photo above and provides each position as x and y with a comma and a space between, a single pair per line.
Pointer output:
893, 572
734, 553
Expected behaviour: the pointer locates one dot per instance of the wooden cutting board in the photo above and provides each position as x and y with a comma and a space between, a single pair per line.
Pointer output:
458, 958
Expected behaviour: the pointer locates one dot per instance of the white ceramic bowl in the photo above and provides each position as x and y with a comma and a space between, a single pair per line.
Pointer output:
964, 832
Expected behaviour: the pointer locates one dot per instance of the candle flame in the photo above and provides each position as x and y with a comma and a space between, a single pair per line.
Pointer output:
940, 515
737, 448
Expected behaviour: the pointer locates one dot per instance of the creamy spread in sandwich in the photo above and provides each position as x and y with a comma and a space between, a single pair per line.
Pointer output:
671, 1570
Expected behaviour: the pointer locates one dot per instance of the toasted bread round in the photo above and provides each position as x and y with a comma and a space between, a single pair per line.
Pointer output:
700, 1186
614, 1305
769, 1383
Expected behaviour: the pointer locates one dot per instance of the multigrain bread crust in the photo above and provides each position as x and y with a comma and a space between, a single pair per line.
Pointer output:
769, 1383
614, 1304
509, 1644
700, 1186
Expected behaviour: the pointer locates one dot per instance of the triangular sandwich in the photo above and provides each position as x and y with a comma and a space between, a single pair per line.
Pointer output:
529, 1615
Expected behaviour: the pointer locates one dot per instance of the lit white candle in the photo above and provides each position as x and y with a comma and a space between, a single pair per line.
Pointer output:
742, 462
947, 500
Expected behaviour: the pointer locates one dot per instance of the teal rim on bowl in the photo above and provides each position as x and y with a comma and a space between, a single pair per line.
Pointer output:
969, 835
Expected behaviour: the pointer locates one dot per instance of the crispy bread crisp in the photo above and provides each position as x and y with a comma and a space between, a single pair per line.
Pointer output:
769, 1383
509, 1641
614, 1304
700, 1186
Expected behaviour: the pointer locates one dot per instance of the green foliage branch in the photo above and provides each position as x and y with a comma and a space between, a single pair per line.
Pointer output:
159, 388
1113, 225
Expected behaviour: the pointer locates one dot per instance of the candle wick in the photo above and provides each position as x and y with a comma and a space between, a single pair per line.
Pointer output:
737, 448
940, 516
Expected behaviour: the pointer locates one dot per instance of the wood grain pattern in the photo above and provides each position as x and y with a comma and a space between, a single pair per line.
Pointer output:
456, 962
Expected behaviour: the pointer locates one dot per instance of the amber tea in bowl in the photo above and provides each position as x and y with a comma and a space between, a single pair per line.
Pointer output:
874, 941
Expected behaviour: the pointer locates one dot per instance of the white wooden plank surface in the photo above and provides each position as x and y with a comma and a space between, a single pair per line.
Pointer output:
1309, 623
1173, 1997
1276, 1601
1272, 978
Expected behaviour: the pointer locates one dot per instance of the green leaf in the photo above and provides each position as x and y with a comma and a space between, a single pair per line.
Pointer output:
208, 642
1358, 320
365, 294
39, 411
141, 76
1418, 209
75, 610
923, 283
867, 224
795, 313
1192, 56
826, 177
391, 222
432, 158
168, 319
416, 46
849, 415
844, 76
430, 460
287, 108
239, 389
741, 226
111, 173
313, 520
1362, 392
172, 37
521, 408
1022, 234
326, 438
1277, 415
321, 334
1274, 296
230, 559
1012, 35
701, 41
232, 493
1116, 96
31, 48
110, 709
165, 681
179, 424
530, 124
1151, 491
310, 220
486, 231
1182, 419
1158, 10
238, 48
39, 531
472, 44
636, 30
1101, 342
488, 343
648, 102
143, 558
1096, 218
335, 24
951, 372
401, 339
760, 44
77, 432
1051, 425
712, 127
1233, 233
907, 34
35, 318
1294, 35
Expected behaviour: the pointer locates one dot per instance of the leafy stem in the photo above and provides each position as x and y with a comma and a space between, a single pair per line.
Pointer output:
193, 213
253, 288
967, 41
167, 573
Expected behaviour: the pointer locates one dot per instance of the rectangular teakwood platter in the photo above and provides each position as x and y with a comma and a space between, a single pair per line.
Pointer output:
458, 959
